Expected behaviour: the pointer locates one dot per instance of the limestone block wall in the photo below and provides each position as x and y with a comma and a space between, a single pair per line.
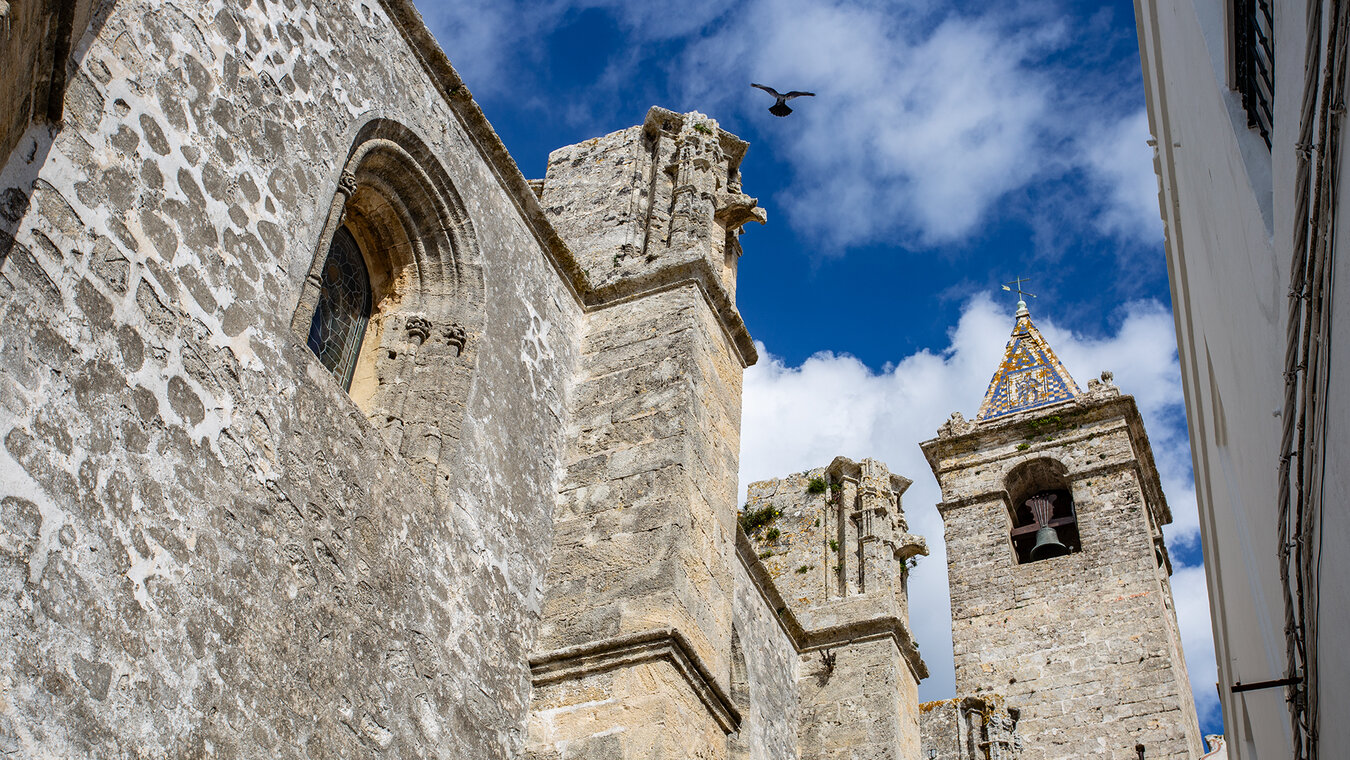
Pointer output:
635, 652
832, 544
206, 544
765, 692
1084, 645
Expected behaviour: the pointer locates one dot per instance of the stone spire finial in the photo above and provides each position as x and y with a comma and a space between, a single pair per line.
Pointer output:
1030, 375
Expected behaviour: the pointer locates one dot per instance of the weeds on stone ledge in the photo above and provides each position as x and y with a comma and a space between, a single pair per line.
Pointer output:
754, 519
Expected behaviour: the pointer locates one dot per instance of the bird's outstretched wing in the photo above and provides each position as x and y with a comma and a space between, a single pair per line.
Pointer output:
767, 89
796, 94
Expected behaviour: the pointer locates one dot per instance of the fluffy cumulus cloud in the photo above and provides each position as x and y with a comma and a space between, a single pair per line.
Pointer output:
919, 123
926, 115
1120, 161
796, 418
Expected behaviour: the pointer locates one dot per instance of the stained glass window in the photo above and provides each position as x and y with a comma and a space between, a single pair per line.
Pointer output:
343, 310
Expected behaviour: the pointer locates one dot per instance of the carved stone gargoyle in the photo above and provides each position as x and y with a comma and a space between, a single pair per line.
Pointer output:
736, 209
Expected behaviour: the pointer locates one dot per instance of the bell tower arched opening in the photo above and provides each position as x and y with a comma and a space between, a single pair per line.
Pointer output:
1041, 507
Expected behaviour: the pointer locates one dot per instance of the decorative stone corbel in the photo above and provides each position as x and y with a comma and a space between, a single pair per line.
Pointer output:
456, 336
909, 545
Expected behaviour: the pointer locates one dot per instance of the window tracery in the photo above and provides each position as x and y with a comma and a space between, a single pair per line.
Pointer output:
340, 316
393, 303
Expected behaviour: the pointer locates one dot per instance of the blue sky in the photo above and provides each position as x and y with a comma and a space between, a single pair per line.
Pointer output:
951, 146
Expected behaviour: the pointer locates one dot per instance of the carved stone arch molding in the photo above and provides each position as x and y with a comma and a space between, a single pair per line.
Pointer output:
413, 371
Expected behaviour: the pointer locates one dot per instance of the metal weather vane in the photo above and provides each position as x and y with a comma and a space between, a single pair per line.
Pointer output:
1021, 294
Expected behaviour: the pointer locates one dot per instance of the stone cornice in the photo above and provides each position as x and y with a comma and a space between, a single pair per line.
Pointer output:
698, 273
991, 433
804, 640
668, 644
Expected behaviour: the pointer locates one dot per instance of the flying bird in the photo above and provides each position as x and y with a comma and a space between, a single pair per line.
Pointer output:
781, 107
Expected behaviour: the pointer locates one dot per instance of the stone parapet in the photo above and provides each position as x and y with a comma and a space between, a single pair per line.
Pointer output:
830, 551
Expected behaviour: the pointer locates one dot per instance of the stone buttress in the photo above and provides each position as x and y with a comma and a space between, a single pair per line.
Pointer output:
633, 656
1059, 574
831, 546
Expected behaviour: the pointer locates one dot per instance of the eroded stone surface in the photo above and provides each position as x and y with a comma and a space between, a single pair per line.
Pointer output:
1085, 646
208, 545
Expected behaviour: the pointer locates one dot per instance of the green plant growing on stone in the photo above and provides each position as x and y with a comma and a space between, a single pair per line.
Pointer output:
772, 534
803, 570
836, 488
1023, 446
815, 485
766, 554
754, 519
834, 545
704, 128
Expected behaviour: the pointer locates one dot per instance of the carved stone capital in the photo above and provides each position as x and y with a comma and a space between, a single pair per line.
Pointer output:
456, 336
419, 329
347, 184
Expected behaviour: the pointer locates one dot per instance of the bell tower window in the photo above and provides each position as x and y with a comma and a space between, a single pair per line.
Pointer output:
340, 318
1041, 508
1045, 527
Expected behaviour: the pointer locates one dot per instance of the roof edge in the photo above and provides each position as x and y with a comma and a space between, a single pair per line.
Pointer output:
486, 140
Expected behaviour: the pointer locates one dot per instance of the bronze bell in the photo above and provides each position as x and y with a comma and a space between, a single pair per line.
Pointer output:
1047, 538
1048, 545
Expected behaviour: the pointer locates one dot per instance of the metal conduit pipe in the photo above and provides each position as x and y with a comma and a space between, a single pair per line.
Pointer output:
1307, 333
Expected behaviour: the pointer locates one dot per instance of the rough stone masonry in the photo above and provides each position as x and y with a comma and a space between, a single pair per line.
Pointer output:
510, 528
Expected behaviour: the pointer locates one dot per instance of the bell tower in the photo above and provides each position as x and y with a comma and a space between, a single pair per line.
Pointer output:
1061, 602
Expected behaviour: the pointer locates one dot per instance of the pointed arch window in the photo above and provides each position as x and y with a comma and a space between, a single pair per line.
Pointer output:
340, 317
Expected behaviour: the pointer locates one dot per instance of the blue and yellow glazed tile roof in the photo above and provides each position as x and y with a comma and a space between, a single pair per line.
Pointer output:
1030, 376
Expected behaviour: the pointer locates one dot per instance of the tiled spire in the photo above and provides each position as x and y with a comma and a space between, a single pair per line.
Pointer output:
1030, 375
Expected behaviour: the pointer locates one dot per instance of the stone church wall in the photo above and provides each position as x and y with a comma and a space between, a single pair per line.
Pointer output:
205, 546
766, 694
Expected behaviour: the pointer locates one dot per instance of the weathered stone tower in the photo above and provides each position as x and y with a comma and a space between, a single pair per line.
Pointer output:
633, 656
1074, 624
835, 547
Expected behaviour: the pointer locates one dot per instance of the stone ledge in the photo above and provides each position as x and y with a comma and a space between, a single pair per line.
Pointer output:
804, 640
696, 273
581, 660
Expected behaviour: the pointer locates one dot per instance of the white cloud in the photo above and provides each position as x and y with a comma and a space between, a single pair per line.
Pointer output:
911, 130
924, 119
1120, 161
795, 418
